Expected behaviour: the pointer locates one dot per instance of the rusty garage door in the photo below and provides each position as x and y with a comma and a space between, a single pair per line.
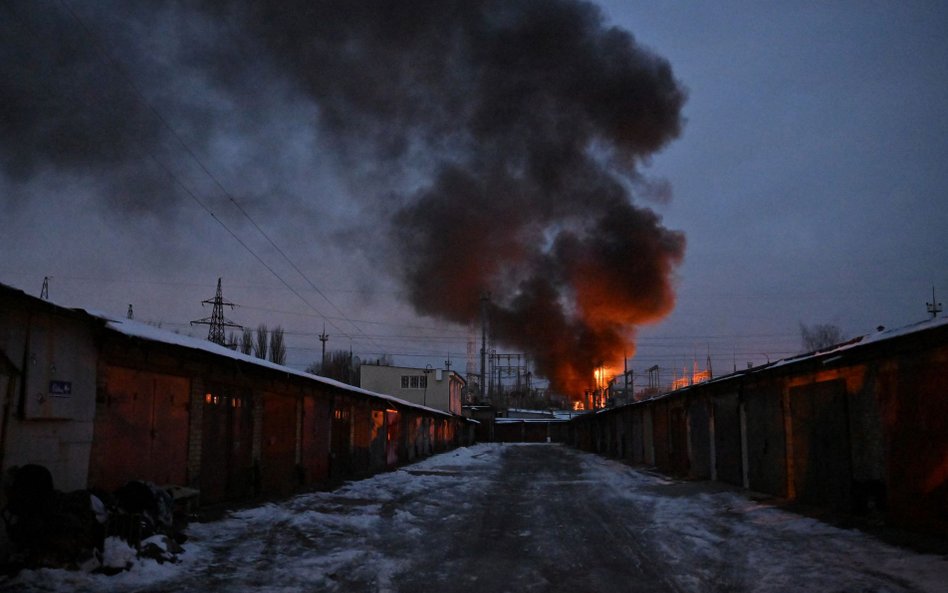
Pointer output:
822, 465
227, 444
141, 429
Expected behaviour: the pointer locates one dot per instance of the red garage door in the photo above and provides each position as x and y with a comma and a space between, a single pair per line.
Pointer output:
278, 463
141, 429
226, 444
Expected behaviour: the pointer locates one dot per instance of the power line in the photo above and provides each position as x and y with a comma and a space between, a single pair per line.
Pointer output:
160, 163
141, 97
100, 280
201, 284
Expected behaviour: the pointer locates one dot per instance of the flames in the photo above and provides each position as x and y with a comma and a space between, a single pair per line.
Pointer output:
695, 376
577, 312
603, 375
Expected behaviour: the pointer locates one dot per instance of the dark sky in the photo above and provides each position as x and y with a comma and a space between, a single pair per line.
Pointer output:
778, 165
810, 178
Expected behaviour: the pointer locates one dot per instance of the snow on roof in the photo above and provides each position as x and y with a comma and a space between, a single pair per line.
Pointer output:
147, 332
135, 329
143, 331
880, 335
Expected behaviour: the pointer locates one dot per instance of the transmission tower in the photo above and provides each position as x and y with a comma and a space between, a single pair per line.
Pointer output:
217, 322
44, 292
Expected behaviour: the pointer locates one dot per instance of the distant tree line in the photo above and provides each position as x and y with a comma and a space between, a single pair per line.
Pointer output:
265, 344
340, 365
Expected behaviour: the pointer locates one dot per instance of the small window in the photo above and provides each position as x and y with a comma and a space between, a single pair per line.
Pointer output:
423, 382
404, 381
415, 384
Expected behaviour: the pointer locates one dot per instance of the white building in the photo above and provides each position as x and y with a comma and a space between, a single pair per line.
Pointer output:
435, 388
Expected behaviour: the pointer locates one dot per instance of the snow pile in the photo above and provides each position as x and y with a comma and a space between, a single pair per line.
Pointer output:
117, 554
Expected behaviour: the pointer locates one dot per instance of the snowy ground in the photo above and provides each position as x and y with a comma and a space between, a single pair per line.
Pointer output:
518, 518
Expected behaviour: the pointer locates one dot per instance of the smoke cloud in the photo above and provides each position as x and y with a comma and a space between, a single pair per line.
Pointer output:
509, 136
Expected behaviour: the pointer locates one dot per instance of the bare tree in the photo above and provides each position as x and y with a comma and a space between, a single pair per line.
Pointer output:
338, 367
246, 341
232, 341
277, 346
819, 336
261, 342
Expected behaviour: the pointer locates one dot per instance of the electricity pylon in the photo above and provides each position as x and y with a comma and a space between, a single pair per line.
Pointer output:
217, 322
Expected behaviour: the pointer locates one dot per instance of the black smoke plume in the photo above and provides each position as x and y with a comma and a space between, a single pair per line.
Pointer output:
511, 134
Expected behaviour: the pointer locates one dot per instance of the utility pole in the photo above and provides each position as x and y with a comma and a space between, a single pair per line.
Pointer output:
323, 337
934, 307
44, 292
424, 400
350, 370
217, 322
485, 300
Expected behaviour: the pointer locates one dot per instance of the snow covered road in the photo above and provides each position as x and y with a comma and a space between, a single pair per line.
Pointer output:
494, 518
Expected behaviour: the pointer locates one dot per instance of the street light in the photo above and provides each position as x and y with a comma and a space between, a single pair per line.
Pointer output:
424, 400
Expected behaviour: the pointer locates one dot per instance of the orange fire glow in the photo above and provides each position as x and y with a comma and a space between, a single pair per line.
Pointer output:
697, 376
603, 375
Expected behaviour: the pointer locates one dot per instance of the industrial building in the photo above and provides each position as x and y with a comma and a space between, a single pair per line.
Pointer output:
433, 387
